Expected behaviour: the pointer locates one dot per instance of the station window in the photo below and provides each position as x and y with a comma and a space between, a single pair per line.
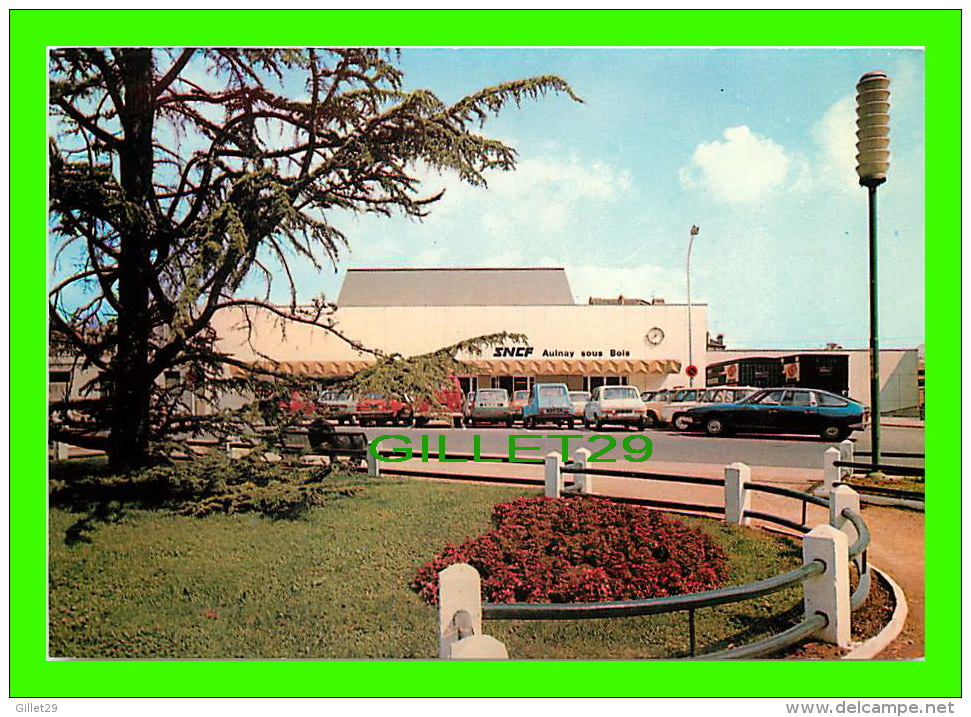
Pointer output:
468, 384
592, 383
512, 383
522, 383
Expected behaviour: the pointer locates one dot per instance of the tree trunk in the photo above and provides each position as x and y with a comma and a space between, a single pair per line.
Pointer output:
131, 385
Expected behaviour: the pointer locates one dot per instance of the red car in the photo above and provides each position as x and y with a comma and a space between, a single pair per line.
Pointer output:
447, 401
298, 406
516, 403
378, 409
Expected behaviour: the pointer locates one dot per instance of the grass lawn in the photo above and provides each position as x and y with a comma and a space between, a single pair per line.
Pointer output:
334, 584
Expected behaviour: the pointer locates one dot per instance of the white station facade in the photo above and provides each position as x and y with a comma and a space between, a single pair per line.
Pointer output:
415, 311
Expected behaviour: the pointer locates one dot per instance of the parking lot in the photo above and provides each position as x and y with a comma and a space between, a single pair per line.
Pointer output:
798, 452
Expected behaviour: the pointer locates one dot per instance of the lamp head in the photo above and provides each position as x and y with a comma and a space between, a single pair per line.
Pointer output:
873, 128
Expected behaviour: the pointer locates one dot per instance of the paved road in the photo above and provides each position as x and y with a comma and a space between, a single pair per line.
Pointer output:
668, 447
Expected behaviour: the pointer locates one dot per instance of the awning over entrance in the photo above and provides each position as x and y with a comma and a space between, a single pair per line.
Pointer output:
576, 367
502, 367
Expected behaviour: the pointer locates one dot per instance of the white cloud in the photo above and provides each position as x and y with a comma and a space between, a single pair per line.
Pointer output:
641, 281
835, 138
744, 168
543, 194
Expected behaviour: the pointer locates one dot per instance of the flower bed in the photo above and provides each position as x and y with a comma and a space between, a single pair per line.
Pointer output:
546, 550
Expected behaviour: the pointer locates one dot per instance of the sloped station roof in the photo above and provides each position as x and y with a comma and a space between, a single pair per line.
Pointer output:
456, 287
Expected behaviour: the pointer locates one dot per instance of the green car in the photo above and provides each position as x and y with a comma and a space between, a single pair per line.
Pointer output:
489, 405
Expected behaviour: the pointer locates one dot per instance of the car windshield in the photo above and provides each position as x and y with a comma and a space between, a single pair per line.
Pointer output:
550, 391
521, 396
334, 396
769, 398
690, 394
579, 396
373, 396
495, 394
620, 392
648, 395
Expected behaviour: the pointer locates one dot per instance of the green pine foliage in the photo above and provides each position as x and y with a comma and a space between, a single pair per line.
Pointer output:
169, 191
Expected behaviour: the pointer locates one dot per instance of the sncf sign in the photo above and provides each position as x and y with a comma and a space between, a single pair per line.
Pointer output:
517, 351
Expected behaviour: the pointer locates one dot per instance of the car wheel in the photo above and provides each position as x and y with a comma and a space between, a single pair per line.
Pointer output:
598, 423
508, 423
681, 422
650, 419
716, 426
569, 424
834, 433
641, 424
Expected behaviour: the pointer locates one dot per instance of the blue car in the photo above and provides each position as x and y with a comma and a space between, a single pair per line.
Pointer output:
782, 410
548, 403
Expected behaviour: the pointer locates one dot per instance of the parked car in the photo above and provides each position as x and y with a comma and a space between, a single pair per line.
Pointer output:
448, 405
378, 409
489, 405
618, 405
298, 406
673, 412
783, 410
516, 403
336, 406
579, 400
648, 395
548, 403
654, 407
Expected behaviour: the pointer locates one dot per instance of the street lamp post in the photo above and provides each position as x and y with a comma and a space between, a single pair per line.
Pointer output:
691, 241
872, 163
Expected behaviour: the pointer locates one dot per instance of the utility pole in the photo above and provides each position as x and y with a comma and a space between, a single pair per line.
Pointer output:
873, 161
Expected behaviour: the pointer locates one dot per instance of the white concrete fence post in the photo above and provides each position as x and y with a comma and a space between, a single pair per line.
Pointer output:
460, 610
373, 465
846, 455
828, 592
60, 451
737, 498
554, 477
582, 481
840, 498
831, 472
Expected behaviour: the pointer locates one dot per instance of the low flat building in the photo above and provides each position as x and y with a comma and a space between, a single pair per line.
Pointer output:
415, 311
839, 370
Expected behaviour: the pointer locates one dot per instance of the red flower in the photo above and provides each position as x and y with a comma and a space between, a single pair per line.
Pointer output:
581, 550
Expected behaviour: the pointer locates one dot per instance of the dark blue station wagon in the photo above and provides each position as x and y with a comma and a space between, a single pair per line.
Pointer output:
783, 410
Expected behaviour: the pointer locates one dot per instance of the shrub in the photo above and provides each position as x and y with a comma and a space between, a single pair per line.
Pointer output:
208, 484
581, 550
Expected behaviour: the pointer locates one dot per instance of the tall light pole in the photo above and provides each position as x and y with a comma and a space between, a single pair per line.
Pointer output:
872, 163
691, 241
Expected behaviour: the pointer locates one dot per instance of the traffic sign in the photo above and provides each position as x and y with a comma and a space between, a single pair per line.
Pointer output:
692, 371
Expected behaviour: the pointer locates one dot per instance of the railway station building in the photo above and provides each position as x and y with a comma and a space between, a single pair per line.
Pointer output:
616, 341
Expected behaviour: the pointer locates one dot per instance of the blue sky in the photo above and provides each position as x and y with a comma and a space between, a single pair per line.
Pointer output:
755, 146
